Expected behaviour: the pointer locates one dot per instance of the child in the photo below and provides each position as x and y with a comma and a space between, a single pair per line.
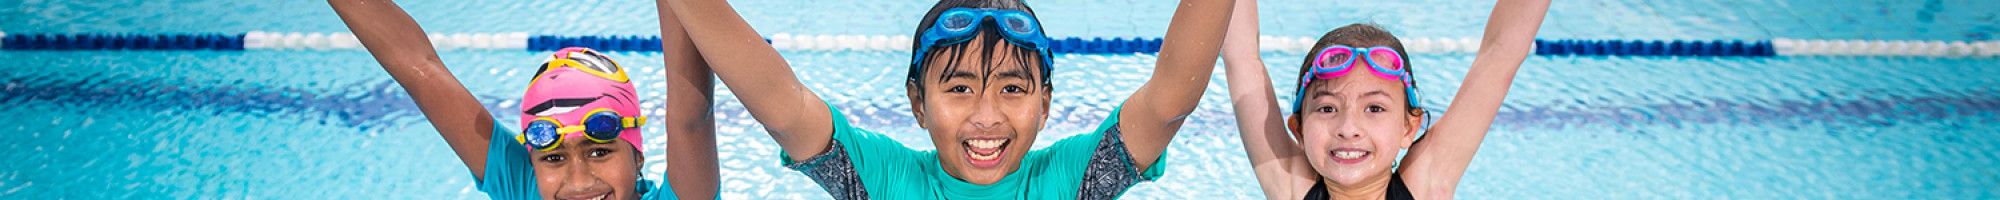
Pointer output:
979, 85
580, 117
1357, 108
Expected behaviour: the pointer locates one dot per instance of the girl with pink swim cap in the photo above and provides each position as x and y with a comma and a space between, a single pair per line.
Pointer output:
580, 117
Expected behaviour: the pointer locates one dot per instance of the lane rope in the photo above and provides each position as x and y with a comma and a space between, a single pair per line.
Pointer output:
296, 41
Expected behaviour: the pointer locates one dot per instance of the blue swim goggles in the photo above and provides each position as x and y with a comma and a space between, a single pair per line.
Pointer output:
958, 25
600, 126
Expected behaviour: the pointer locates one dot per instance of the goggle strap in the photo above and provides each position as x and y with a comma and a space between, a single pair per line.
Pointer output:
634, 122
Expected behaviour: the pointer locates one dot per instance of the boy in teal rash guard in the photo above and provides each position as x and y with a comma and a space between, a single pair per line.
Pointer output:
580, 118
980, 85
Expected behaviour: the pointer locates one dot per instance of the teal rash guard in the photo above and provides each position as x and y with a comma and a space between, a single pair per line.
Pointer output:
510, 175
862, 164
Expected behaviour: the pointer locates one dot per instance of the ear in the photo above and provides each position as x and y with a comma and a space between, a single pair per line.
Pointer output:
638, 158
639, 164
916, 96
1046, 97
1416, 123
1298, 132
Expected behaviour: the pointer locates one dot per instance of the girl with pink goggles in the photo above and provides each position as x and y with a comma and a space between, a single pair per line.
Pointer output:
1382, 61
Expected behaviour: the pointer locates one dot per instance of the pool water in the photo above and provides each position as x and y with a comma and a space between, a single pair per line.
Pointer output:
330, 124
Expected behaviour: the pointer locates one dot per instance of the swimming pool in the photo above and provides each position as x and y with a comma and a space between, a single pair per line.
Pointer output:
330, 124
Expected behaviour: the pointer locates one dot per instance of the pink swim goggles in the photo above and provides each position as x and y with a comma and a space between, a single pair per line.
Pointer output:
1338, 60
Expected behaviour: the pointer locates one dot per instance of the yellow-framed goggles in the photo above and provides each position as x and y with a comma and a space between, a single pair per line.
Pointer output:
600, 125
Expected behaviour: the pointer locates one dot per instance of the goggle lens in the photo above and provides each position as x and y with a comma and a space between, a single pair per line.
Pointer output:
957, 21
541, 134
1336, 58
1386, 58
1018, 24
603, 126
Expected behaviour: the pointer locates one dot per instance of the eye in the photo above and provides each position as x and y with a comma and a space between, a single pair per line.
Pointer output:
1376, 109
553, 158
1326, 109
600, 152
959, 89
1012, 89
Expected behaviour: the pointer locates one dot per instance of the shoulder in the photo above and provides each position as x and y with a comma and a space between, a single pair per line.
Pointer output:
1421, 184
508, 171
661, 191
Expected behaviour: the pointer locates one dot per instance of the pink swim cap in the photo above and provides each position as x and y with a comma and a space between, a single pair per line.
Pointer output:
576, 82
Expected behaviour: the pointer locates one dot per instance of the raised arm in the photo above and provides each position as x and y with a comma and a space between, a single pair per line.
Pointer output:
691, 161
1154, 113
1435, 165
396, 42
1279, 164
794, 116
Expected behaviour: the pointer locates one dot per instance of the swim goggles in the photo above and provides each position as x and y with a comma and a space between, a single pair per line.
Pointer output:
958, 25
591, 63
600, 126
1382, 61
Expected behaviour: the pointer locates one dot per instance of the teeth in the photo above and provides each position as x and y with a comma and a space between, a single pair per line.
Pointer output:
1348, 154
985, 144
989, 147
977, 156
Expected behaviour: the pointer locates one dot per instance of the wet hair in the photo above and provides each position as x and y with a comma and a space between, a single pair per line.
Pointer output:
1356, 35
989, 38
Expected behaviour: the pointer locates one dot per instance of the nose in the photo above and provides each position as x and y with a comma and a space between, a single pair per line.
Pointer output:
1347, 129
582, 182
986, 116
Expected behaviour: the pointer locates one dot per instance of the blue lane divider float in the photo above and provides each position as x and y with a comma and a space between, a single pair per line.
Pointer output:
1654, 48
601, 43
1068, 45
1116, 45
122, 42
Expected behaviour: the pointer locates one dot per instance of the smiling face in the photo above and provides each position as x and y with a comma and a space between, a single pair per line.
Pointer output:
1353, 127
983, 105
579, 168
